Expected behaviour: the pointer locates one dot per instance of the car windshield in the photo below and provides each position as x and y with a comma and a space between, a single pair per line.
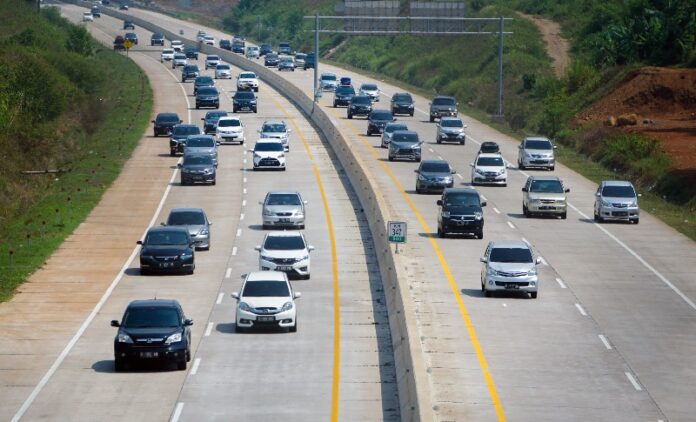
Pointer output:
402, 98
283, 243
153, 317
266, 289
167, 237
283, 199
618, 192
200, 142
345, 90
198, 160
229, 123
452, 123
444, 101
490, 162
409, 138
462, 200
538, 145
222, 67
240, 95
204, 80
382, 115
272, 56
157, 36
207, 90
269, 146
213, 58
369, 87
273, 127
167, 118
287, 60
511, 255
215, 115
546, 186
167, 51
180, 56
185, 218
361, 100
397, 126
328, 77
300, 56
186, 130
247, 76
435, 167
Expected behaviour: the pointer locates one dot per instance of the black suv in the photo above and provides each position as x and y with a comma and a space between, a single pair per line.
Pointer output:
244, 100
309, 62
402, 103
128, 25
152, 331
265, 49
132, 37
207, 96
178, 137
167, 249
460, 211
377, 120
189, 71
271, 60
202, 81
443, 106
226, 44
360, 105
210, 121
164, 122
157, 39
342, 95
191, 53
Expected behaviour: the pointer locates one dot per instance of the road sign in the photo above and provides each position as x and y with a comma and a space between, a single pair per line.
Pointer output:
397, 231
128, 44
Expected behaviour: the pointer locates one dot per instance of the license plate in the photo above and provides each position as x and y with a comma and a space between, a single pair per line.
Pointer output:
512, 286
462, 223
265, 318
284, 268
166, 264
149, 355
284, 220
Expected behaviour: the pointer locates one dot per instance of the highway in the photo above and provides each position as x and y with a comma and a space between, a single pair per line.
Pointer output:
611, 336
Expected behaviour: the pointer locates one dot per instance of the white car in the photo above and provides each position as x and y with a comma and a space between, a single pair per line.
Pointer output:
209, 40
489, 168
252, 52
266, 300
328, 81
179, 60
178, 46
212, 61
223, 71
167, 54
230, 130
276, 129
268, 153
247, 80
87, 17
371, 90
285, 251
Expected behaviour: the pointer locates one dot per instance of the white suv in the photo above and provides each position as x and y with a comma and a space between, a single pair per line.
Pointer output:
269, 154
247, 81
536, 152
489, 168
285, 251
616, 200
266, 300
510, 266
212, 61
229, 130
209, 40
167, 55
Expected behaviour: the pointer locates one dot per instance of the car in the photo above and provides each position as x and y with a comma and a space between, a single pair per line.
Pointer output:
287, 252
223, 71
247, 81
544, 195
360, 105
238, 46
370, 90
131, 36
536, 152
252, 52
178, 135
342, 95
167, 249
402, 103
434, 176
300, 59
202, 81
377, 120
244, 100
286, 63
509, 266
460, 211
283, 209
119, 43
328, 81
230, 129
616, 200
195, 221
209, 40
153, 330
276, 129
200, 36
197, 168
211, 119
226, 44
268, 154
157, 39
345, 81
211, 61
284, 48
265, 49
489, 169
96, 12
310, 60
123, 7
190, 71
167, 55
266, 300
179, 60
191, 53
207, 96
164, 123
443, 106
405, 144
389, 130
87, 17
178, 46
489, 147
450, 129
128, 25
202, 144
271, 60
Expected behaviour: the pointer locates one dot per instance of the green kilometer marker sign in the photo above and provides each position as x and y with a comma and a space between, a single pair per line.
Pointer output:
397, 231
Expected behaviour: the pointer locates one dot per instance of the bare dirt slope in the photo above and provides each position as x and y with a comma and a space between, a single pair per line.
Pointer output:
557, 47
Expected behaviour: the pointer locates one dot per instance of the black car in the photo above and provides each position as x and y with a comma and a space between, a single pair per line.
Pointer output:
244, 100
202, 81
178, 137
309, 62
460, 211
402, 103
164, 122
489, 147
167, 249
226, 44
360, 105
433, 176
197, 168
155, 330
191, 53
128, 25
265, 49
377, 120
96, 12
271, 60
405, 144
189, 71
210, 121
238, 47
443, 106
207, 96
131, 36
157, 39
342, 95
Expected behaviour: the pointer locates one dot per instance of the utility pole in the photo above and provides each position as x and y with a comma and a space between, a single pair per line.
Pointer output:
316, 57
499, 112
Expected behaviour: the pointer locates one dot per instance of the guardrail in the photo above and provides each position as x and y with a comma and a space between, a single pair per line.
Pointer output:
412, 379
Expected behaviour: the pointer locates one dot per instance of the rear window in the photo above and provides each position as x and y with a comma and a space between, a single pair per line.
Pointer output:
284, 243
186, 130
167, 118
511, 255
266, 289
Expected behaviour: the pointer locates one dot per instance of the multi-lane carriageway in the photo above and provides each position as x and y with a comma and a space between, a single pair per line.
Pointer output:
611, 336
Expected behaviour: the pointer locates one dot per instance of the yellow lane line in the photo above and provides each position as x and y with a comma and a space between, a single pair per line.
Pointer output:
448, 275
336, 372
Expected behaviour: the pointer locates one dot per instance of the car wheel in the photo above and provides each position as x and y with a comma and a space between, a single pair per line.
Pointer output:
462, 142
238, 329
143, 271
479, 234
188, 355
596, 217
369, 133
256, 90
552, 168
391, 158
564, 215
487, 293
350, 116
636, 221
432, 119
520, 165
181, 365
120, 365
234, 110
525, 211
293, 329
418, 160
213, 183
418, 190
441, 233
411, 114
155, 134
197, 107
534, 295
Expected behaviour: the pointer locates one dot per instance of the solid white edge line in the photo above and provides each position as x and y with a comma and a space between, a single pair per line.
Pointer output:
208, 329
177, 412
219, 298
512, 226
605, 341
196, 364
633, 381
228, 273
560, 283
496, 210
234, 251
581, 309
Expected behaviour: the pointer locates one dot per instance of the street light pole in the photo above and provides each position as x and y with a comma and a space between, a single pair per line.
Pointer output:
316, 56
499, 109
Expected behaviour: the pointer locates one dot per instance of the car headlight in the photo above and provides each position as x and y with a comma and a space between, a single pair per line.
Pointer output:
528, 155
304, 258
606, 203
633, 204
267, 213
207, 171
478, 215
204, 232
491, 271
501, 171
286, 307
124, 338
243, 306
446, 214
410, 106
422, 178
257, 155
533, 271
479, 171
266, 258
174, 338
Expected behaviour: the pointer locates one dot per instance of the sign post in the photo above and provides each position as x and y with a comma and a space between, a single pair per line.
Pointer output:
396, 230
127, 44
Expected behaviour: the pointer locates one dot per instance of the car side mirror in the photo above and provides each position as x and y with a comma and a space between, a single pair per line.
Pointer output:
217, 142
597, 194
251, 150
115, 323
483, 203
439, 202
297, 295
640, 194
235, 295
257, 248
210, 223
163, 224
483, 259
188, 322
203, 118
567, 190
395, 119
139, 242
466, 126
416, 171
260, 202
307, 202
289, 130
471, 164
519, 146
524, 189
554, 147
537, 261
181, 121
178, 165
454, 171
310, 248
152, 121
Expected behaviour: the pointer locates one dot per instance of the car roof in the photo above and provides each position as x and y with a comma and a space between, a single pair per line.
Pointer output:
266, 276
616, 183
156, 303
175, 210
545, 178
378, 110
156, 229
443, 96
186, 125
410, 132
167, 115
269, 141
467, 191
188, 153
397, 123
283, 192
444, 119
274, 122
489, 155
517, 244
230, 118
401, 93
200, 136
489, 143
285, 233
536, 138
212, 56
434, 162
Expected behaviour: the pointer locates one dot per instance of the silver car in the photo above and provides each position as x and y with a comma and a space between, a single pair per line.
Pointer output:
202, 144
195, 221
389, 130
328, 81
616, 200
179, 60
276, 129
252, 52
450, 129
283, 209
536, 152
371, 90
511, 266
544, 195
